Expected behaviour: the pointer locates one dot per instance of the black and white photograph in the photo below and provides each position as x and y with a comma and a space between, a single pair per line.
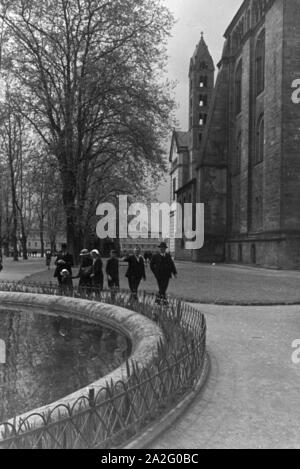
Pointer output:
149, 227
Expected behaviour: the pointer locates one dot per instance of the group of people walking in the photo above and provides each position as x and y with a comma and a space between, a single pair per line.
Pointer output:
91, 274
162, 266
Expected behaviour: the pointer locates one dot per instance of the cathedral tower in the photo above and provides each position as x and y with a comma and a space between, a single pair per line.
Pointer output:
201, 75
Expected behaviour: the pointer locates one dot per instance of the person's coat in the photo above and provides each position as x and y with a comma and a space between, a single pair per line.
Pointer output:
59, 267
85, 272
136, 267
163, 266
112, 268
67, 258
97, 273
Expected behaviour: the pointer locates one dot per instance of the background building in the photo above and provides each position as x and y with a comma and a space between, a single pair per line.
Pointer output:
34, 244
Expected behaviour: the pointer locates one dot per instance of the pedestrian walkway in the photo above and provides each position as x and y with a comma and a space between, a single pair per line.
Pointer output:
16, 271
252, 398
219, 283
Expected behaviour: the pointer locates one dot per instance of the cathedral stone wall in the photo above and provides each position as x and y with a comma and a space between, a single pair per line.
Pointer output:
249, 159
273, 117
245, 137
290, 167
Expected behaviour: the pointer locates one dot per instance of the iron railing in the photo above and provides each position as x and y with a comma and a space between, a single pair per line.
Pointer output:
122, 409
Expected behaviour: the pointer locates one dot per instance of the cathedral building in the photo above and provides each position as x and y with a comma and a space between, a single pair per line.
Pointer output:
241, 154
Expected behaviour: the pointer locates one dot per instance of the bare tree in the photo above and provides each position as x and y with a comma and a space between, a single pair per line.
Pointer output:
89, 72
45, 183
11, 132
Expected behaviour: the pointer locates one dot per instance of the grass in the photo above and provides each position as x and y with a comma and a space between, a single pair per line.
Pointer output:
219, 284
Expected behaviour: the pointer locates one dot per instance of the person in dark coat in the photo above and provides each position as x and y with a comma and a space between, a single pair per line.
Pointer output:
97, 271
65, 256
48, 259
85, 271
135, 272
60, 266
112, 272
163, 267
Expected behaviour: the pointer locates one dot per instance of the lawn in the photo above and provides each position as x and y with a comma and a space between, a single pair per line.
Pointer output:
218, 284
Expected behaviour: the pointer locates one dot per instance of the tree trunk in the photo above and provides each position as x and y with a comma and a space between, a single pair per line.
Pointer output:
24, 240
53, 245
24, 247
13, 200
15, 221
42, 238
15, 237
0, 229
6, 248
74, 240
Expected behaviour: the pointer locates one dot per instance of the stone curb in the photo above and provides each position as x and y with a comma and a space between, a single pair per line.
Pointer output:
143, 333
153, 431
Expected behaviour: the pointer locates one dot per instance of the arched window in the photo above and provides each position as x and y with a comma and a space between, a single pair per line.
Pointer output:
260, 64
253, 254
202, 119
229, 252
203, 66
260, 140
248, 20
203, 82
183, 215
174, 188
255, 12
238, 153
202, 100
238, 88
240, 253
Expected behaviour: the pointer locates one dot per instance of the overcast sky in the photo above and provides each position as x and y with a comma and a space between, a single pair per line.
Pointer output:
193, 16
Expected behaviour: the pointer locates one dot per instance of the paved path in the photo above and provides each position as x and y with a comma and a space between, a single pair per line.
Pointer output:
252, 398
221, 283
16, 271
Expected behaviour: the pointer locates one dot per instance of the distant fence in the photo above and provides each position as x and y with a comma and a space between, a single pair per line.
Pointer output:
120, 410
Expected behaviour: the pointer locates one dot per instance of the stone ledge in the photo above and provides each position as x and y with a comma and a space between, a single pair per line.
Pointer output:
143, 333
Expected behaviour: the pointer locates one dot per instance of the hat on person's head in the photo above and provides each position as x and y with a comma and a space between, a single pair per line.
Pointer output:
61, 262
163, 245
64, 272
95, 251
84, 252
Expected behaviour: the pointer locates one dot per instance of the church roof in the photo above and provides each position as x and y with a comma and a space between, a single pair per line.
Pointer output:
182, 139
236, 17
201, 54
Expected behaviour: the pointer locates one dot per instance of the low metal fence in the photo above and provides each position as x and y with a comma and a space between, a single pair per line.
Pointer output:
119, 411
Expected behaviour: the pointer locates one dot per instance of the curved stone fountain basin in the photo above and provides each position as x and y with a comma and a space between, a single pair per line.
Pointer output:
143, 334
